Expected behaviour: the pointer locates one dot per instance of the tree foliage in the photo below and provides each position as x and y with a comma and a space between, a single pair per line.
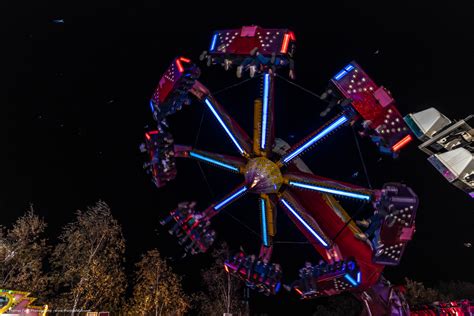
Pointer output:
340, 305
417, 293
457, 290
223, 293
86, 273
157, 289
88, 262
23, 250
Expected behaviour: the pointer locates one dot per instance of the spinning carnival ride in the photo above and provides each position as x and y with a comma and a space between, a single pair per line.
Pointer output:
270, 168
16, 303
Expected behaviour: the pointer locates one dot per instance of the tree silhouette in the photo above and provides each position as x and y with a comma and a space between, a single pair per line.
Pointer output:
457, 290
340, 305
88, 262
157, 289
23, 250
417, 293
223, 293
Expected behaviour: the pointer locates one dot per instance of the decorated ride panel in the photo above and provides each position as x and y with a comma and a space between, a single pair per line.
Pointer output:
242, 41
19, 303
375, 105
173, 87
398, 227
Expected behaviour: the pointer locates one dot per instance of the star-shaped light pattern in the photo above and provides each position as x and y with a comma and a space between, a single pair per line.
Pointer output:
272, 175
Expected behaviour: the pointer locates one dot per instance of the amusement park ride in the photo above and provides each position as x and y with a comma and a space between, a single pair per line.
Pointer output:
353, 259
19, 303
449, 144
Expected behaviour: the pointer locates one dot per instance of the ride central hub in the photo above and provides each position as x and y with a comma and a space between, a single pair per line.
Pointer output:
263, 175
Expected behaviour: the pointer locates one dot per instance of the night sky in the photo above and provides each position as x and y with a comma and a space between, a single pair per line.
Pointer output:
74, 103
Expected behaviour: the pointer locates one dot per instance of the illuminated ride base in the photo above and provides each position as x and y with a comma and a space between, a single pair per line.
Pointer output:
19, 303
273, 170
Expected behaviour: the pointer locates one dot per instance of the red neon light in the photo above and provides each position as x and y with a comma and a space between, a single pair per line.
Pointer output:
284, 45
405, 140
147, 136
186, 60
298, 290
153, 132
292, 36
180, 67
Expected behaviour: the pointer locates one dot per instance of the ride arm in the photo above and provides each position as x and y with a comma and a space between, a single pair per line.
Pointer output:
315, 137
307, 181
238, 136
263, 130
235, 194
268, 211
305, 222
229, 163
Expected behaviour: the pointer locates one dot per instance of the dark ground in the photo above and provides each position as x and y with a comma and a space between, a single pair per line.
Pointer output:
74, 100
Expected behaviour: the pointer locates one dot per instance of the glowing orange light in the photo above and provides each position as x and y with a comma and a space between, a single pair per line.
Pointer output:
180, 67
186, 60
226, 268
405, 140
284, 45
298, 290
147, 136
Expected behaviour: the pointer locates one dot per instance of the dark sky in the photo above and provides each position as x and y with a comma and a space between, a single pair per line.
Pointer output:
74, 102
